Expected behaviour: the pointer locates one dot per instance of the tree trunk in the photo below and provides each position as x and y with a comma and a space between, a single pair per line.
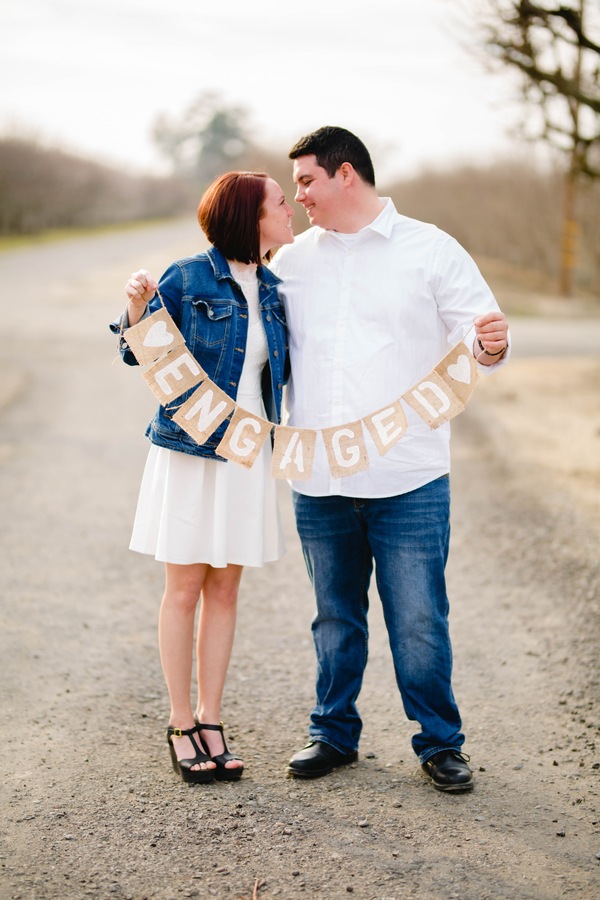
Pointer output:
568, 261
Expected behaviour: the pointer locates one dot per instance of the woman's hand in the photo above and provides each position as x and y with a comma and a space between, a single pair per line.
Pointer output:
140, 289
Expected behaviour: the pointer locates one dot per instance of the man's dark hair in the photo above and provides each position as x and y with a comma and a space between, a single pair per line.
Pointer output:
333, 146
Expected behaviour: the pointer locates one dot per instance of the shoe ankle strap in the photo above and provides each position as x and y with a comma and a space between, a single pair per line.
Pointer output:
206, 727
181, 732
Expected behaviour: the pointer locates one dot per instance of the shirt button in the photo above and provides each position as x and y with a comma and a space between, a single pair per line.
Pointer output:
268, 318
210, 314
275, 352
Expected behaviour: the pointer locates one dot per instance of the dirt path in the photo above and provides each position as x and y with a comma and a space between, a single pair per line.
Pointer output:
89, 805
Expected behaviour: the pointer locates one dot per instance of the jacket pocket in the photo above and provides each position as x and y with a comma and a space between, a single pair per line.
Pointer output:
211, 321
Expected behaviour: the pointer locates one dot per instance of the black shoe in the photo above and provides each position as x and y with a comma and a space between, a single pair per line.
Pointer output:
222, 772
317, 759
449, 771
183, 767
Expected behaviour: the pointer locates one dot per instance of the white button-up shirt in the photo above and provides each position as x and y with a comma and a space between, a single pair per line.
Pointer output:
369, 316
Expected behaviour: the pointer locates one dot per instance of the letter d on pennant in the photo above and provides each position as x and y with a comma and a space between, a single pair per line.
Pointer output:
433, 400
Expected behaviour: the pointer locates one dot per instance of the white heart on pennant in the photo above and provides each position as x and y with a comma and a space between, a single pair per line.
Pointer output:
461, 370
158, 336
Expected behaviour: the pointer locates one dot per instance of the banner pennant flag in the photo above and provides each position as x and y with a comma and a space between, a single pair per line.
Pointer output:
346, 451
173, 375
293, 453
204, 411
386, 426
151, 338
244, 437
440, 396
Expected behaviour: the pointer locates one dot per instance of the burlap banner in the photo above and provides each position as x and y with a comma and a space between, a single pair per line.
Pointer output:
436, 399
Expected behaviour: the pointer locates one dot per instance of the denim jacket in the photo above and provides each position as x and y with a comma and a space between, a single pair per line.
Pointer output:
210, 310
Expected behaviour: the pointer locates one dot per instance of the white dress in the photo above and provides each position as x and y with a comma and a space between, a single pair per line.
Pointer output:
192, 509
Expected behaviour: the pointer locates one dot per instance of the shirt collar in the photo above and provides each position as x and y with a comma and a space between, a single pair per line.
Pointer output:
382, 224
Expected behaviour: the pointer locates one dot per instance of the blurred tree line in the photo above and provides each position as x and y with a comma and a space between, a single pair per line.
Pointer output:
508, 211
545, 221
42, 188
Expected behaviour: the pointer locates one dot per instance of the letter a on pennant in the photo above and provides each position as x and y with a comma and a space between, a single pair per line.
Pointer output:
203, 412
293, 453
151, 338
346, 451
244, 437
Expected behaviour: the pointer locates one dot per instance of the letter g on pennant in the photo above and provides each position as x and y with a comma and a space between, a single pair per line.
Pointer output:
346, 450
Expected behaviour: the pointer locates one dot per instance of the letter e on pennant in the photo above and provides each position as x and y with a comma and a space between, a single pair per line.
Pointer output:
173, 375
386, 426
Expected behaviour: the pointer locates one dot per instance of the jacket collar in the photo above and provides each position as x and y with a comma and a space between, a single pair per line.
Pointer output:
222, 270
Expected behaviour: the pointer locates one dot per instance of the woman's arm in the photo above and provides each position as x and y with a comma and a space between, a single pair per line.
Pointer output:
140, 289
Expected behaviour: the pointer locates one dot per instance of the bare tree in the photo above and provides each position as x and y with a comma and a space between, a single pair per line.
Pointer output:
209, 137
551, 45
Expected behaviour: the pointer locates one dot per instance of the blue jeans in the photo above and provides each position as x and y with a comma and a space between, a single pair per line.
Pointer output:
407, 539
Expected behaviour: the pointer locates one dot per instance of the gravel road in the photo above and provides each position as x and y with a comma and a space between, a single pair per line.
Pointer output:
90, 807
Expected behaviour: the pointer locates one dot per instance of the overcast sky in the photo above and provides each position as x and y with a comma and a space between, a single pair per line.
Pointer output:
92, 75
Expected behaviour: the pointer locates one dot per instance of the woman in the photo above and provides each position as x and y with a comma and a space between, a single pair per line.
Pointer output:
203, 517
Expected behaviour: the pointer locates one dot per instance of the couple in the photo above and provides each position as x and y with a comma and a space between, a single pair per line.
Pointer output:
372, 301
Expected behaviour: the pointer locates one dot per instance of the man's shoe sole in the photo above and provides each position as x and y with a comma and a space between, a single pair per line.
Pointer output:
453, 787
318, 773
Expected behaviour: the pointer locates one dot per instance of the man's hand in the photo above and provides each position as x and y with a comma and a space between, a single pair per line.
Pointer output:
492, 330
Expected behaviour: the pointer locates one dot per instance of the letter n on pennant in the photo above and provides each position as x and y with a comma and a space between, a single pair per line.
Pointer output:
293, 452
346, 450
244, 438
203, 412
151, 338
433, 400
173, 375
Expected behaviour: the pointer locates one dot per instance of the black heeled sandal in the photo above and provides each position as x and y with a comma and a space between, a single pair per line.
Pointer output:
183, 767
222, 773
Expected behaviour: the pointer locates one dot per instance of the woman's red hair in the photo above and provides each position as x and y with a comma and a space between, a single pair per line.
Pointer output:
229, 214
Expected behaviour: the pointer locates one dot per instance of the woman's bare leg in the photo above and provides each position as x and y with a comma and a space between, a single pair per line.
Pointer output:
216, 630
183, 585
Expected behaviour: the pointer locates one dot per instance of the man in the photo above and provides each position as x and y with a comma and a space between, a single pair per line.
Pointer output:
374, 300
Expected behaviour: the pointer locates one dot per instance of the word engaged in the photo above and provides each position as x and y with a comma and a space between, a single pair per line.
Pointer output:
157, 342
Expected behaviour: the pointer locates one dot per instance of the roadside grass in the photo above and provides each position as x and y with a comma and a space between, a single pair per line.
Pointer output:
22, 241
